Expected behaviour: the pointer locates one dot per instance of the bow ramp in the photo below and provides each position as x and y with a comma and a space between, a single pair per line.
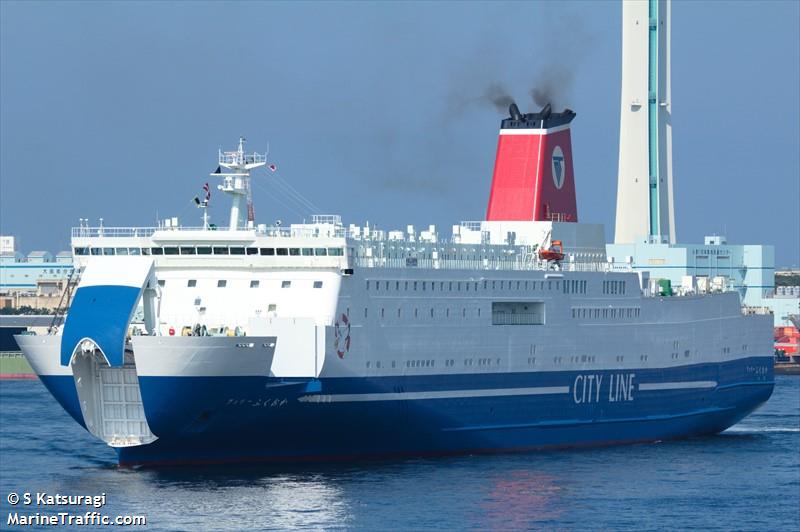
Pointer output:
93, 345
103, 306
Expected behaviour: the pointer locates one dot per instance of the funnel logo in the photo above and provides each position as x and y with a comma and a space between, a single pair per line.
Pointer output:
558, 167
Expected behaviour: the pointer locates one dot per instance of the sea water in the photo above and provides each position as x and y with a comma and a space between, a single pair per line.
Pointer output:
747, 478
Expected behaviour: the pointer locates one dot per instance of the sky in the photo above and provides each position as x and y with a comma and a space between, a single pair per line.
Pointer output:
379, 111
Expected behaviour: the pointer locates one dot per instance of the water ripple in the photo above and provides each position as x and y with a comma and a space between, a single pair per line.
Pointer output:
730, 481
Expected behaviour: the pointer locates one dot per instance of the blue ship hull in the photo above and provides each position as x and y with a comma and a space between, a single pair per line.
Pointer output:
229, 419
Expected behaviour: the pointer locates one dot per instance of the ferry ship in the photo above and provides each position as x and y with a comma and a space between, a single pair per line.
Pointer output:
320, 341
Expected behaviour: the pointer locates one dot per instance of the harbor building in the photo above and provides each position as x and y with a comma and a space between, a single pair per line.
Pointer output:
645, 231
713, 265
34, 280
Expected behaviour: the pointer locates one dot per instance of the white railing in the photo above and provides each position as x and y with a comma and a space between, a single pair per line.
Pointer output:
481, 263
330, 219
377, 251
749, 311
112, 232
471, 225
233, 158
144, 232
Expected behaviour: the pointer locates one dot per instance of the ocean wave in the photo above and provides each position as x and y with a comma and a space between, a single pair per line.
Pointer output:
746, 429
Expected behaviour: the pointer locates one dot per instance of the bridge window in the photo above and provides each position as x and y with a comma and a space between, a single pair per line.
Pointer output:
308, 252
155, 251
335, 252
237, 250
204, 250
81, 251
191, 283
220, 250
286, 284
108, 251
267, 251
294, 252
171, 250
122, 251
162, 283
252, 251
188, 251
254, 284
321, 252
317, 284
222, 283
283, 252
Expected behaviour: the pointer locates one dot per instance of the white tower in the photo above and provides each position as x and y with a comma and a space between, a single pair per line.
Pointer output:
644, 188
237, 181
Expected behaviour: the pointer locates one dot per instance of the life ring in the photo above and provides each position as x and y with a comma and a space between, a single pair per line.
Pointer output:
172, 331
341, 336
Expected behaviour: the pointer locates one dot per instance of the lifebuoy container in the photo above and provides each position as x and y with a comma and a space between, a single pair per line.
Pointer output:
172, 331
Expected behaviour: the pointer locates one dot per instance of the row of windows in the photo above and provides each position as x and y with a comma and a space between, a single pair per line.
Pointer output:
467, 286
577, 312
573, 286
213, 250
450, 362
605, 313
223, 283
443, 313
483, 362
614, 287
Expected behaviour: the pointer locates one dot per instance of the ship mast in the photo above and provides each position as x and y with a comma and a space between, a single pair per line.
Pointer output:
236, 181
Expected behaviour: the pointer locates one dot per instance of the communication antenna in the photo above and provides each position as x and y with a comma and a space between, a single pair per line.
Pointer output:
236, 180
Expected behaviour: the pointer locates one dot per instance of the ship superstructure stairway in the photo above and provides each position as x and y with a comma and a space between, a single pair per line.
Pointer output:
66, 297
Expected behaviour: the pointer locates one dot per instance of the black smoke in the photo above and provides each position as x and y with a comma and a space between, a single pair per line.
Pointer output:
498, 95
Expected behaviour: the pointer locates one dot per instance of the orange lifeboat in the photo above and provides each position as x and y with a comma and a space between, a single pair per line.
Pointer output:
555, 252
